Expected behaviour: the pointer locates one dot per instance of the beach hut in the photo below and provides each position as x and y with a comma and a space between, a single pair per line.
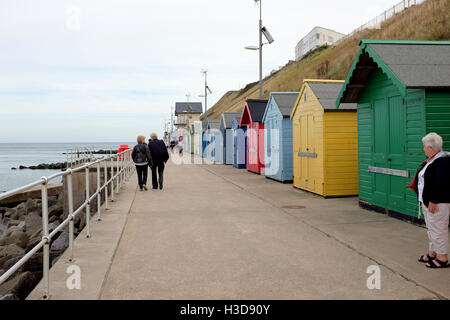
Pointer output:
198, 138
227, 135
278, 136
214, 149
205, 141
252, 118
239, 144
402, 89
191, 138
325, 153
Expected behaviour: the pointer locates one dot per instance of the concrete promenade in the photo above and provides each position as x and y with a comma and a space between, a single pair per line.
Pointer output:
216, 232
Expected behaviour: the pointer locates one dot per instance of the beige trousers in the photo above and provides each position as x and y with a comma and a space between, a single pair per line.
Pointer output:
437, 225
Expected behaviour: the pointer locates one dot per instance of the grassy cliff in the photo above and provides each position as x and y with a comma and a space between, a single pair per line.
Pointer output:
427, 21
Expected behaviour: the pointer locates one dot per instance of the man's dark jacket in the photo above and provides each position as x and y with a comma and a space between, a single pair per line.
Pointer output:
158, 150
437, 181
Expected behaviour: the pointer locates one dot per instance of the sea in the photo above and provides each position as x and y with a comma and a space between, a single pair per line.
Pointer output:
13, 155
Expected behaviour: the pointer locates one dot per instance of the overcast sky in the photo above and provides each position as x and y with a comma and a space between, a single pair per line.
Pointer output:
117, 72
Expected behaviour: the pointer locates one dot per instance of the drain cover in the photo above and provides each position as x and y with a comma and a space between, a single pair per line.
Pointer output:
293, 207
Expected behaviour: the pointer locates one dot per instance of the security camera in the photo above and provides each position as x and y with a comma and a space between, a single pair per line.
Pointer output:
267, 34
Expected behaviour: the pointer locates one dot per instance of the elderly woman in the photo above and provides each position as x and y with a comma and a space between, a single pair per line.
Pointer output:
142, 159
432, 185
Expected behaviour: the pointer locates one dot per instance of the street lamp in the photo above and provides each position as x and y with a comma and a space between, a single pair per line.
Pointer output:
207, 89
262, 31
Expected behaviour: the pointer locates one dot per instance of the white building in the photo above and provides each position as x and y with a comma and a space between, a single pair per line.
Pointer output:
316, 38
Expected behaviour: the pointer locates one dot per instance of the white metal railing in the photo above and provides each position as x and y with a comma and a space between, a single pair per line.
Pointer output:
121, 168
376, 22
79, 155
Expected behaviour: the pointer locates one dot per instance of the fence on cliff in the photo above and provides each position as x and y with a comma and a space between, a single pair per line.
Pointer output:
375, 23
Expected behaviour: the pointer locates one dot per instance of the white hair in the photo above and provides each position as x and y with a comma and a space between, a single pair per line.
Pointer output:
153, 135
433, 140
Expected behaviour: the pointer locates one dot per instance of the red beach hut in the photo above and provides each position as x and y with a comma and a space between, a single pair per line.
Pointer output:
252, 116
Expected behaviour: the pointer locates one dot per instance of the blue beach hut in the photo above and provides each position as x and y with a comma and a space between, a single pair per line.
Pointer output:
239, 144
215, 142
227, 135
278, 136
204, 138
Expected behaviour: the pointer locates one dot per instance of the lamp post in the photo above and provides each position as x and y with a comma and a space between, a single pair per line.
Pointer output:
205, 74
260, 51
265, 32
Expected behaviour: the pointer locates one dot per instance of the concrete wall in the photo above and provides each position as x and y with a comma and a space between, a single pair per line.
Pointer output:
79, 190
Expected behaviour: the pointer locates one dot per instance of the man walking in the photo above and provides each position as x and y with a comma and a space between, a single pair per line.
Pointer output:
160, 156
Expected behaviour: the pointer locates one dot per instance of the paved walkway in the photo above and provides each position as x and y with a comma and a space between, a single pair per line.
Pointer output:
216, 232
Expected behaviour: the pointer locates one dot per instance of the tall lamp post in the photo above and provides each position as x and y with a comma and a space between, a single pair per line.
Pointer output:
268, 36
205, 74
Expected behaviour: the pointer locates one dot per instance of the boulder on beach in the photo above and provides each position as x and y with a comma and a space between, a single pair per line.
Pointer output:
19, 286
60, 244
20, 231
11, 250
15, 235
9, 297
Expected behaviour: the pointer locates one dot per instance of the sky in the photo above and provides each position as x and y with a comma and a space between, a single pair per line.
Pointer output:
109, 70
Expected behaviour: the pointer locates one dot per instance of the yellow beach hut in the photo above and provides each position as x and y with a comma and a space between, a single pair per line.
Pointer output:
325, 146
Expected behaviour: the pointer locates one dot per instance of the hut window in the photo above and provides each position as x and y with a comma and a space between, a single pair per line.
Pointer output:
318, 35
306, 97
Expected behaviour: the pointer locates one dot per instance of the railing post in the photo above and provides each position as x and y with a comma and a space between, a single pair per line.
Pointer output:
122, 172
99, 194
88, 206
118, 175
71, 221
106, 184
45, 233
112, 178
128, 166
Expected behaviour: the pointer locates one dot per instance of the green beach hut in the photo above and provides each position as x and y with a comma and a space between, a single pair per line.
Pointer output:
402, 89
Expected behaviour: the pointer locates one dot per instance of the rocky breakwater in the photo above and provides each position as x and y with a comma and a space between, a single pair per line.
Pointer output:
45, 166
20, 231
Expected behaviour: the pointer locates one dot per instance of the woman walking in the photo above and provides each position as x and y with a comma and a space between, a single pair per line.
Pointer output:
142, 159
432, 185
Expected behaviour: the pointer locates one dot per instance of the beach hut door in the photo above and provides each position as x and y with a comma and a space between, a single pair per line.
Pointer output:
389, 152
306, 149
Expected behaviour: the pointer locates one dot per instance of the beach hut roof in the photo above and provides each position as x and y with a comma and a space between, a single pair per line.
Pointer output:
285, 101
253, 111
227, 118
213, 124
188, 107
327, 93
409, 64
236, 122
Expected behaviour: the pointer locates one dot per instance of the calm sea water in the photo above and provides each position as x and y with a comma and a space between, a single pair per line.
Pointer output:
29, 154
